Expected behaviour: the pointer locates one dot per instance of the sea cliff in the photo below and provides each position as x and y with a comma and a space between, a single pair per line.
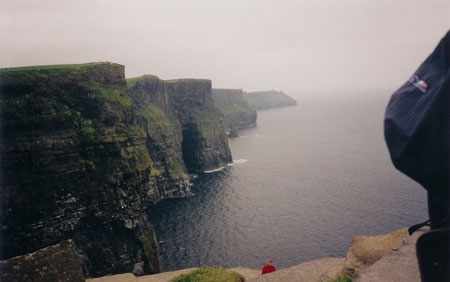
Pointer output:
238, 114
263, 100
82, 159
197, 135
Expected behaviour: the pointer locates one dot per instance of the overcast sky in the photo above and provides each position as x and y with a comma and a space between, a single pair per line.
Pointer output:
298, 45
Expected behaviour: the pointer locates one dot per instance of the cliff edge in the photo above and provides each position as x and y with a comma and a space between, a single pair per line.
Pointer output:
269, 99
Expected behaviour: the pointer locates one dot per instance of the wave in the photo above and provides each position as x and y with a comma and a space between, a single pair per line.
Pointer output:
214, 170
236, 162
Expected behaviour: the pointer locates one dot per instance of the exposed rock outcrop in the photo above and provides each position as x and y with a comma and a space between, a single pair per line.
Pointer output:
237, 112
188, 106
58, 263
269, 99
366, 250
400, 265
75, 166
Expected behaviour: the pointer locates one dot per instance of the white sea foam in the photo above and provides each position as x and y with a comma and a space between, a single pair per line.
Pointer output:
215, 170
236, 162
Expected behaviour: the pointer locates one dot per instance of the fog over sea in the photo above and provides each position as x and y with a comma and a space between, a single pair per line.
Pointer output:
305, 181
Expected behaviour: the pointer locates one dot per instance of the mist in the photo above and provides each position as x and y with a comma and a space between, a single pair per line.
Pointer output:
295, 46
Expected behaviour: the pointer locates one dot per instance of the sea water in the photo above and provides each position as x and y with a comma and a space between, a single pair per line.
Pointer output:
304, 182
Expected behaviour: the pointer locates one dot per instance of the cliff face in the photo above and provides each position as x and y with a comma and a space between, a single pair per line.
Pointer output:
75, 166
269, 99
238, 114
164, 137
199, 140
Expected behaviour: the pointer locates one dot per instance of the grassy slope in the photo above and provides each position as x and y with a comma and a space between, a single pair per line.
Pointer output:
132, 80
209, 274
54, 67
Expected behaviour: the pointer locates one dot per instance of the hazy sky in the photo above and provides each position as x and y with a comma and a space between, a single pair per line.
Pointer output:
296, 45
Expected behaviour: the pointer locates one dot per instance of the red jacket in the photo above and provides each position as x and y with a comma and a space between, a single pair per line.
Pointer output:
267, 269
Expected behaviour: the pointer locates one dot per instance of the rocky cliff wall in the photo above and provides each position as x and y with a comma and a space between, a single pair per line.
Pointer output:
269, 99
238, 114
199, 140
75, 166
164, 136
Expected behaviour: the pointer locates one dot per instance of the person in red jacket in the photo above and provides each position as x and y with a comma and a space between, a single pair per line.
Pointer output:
269, 267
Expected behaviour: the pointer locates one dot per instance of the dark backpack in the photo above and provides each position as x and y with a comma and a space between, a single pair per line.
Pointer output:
416, 123
417, 133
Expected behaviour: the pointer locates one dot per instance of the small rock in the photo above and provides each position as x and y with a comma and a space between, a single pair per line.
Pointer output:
138, 269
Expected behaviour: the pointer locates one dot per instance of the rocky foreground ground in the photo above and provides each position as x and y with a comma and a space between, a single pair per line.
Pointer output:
388, 258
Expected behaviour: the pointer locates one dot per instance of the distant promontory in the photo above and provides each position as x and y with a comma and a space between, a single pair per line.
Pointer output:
237, 112
263, 100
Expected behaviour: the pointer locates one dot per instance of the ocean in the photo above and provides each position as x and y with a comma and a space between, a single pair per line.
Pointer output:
304, 182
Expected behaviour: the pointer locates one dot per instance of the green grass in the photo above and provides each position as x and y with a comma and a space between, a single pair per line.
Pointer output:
87, 165
155, 172
53, 67
342, 278
154, 114
114, 95
86, 133
132, 80
236, 108
20, 75
206, 117
184, 80
209, 274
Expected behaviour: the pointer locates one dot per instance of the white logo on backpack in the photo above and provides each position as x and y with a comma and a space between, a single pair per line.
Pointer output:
418, 83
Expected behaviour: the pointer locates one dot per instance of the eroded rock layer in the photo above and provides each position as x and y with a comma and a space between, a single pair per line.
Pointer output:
238, 114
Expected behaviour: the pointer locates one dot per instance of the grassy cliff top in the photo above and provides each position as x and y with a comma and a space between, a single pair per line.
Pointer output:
132, 80
228, 89
209, 274
188, 80
58, 67
28, 74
